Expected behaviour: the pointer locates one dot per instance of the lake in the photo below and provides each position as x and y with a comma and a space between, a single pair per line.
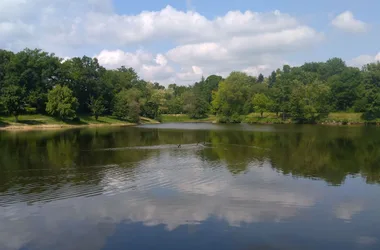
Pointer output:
191, 186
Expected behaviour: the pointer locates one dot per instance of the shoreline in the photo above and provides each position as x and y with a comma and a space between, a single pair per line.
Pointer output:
25, 127
59, 126
19, 128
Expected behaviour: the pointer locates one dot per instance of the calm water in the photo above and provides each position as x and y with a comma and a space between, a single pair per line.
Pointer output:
241, 187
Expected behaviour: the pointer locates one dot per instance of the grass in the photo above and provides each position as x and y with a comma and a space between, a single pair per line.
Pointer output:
185, 118
37, 119
344, 118
333, 118
253, 118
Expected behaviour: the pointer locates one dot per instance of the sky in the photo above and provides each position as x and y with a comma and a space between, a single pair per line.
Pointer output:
179, 41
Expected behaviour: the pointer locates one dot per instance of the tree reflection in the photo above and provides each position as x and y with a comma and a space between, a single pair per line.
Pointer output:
55, 158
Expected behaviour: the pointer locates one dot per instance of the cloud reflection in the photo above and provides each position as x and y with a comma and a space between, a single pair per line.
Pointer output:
171, 192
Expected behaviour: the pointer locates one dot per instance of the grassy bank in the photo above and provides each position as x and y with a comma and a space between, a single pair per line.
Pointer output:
332, 119
48, 122
185, 118
272, 118
345, 118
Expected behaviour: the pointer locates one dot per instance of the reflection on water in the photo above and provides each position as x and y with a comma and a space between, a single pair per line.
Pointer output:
177, 186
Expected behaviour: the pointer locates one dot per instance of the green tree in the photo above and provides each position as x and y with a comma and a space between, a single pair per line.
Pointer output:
13, 100
97, 107
344, 88
261, 103
36, 72
127, 106
260, 79
309, 103
232, 95
62, 103
369, 92
272, 79
195, 106
5, 58
84, 76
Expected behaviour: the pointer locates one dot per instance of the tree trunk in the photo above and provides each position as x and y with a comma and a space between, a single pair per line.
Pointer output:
16, 118
96, 117
262, 114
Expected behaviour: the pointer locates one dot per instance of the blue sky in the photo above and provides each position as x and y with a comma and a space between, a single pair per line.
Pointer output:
181, 40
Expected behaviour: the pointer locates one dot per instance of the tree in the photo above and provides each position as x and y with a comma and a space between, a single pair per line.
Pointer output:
272, 79
260, 79
195, 106
13, 100
84, 76
5, 58
208, 86
286, 69
97, 106
36, 72
309, 103
62, 103
344, 88
261, 103
127, 106
369, 92
230, 99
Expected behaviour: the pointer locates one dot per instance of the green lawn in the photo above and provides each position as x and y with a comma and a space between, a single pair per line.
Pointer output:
345, 117
25, 120
185, 118
271, 118
253, 118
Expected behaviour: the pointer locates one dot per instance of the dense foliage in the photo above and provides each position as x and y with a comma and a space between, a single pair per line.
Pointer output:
35, 81
61, 103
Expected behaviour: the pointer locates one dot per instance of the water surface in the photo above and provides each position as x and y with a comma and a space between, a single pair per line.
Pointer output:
191, 186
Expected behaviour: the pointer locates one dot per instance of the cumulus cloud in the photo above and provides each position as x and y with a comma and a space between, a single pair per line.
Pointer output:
347, 22
234, 41
149, 67
363, 60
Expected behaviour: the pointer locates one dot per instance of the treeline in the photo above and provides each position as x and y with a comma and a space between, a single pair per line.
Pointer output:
34, 81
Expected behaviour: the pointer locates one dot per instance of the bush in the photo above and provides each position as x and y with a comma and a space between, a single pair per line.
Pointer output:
235, 118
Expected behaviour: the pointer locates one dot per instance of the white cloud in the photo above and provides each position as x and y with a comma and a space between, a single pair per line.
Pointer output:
347, 22
183, 27
234, 41
147, 66
161, 60
116, 58
363, 60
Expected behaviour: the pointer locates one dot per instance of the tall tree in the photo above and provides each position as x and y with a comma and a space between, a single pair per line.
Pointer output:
229, 101
13, 100
62, 103
261, 103
309, 103
260, 79
127, 105
84, 77
97, 106
272, 79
